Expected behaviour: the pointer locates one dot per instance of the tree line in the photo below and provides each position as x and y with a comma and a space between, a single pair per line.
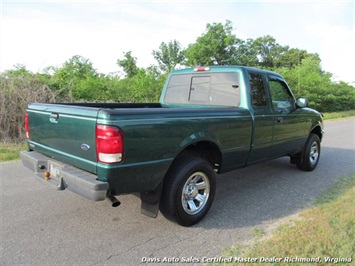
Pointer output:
77, 80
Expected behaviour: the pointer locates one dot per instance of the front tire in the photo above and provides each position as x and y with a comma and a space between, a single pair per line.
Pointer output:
311, 153
188, 191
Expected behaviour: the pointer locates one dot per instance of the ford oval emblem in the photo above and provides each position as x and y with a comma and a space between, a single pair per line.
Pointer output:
85, 147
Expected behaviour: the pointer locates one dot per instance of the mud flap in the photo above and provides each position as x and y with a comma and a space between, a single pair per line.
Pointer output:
150, 201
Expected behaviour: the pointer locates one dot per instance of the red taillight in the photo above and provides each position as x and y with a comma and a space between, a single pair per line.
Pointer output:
109, 144
27, 126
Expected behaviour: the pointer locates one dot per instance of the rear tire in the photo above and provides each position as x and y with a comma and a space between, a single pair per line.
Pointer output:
311, 153
188, 191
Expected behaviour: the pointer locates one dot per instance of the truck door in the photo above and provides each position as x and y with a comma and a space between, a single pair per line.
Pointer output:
263, 119
288, 126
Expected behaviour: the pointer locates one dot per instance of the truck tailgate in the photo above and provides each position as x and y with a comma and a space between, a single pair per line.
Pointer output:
65, 133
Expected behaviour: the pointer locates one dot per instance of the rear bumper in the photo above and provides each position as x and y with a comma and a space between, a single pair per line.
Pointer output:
63, 176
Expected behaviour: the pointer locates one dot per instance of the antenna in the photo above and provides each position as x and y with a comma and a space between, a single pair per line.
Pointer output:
299, 75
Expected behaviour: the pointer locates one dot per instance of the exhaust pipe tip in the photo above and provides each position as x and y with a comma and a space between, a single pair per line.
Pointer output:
114, 201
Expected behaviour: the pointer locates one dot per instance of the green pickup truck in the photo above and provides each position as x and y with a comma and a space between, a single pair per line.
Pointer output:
210, 120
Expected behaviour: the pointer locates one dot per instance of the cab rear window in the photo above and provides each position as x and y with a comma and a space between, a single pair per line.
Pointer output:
220, 89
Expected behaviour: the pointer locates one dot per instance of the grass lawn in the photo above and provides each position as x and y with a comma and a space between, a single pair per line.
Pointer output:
10, 151
322, 235
336, 115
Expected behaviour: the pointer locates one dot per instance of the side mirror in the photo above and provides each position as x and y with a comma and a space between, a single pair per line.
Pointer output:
302, 102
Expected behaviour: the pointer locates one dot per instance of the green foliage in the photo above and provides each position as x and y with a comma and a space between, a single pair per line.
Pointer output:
78, 80
310, 81
291, 58
245, 55
129, 64
145, 86
216, 47
267, 50
169, 55
19, 71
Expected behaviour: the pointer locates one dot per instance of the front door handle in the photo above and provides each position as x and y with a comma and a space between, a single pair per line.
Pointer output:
279, 119
53, 118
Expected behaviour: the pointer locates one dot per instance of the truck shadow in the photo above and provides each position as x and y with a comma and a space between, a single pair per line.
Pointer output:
274, 189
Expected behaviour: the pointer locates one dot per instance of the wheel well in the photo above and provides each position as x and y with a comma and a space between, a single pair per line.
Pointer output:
206, 150
317, 130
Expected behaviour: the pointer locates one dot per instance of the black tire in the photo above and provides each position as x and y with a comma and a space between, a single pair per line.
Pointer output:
311, 153
188, 191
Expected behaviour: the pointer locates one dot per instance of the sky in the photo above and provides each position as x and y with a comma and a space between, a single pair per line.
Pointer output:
45, 33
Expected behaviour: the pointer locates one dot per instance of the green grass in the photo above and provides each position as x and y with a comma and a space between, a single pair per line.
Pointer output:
10, 151
336, 115
257, 232
325, 231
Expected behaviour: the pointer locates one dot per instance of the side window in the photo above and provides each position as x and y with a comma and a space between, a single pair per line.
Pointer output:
257, 90
282, 100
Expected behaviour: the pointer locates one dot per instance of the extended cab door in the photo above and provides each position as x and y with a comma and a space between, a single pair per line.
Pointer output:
263, 118
289, 127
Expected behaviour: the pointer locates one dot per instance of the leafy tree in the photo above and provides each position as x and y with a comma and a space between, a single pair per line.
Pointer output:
217, 46
129, 64
267, 50
145, 86
169, 55
291, 57
19, 71
309, 80
244, 54
78, 79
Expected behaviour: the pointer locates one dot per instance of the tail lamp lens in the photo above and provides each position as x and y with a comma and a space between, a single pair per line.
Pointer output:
27, 126
109, 144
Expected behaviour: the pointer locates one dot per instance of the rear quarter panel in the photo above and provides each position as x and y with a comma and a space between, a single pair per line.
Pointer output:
154, 137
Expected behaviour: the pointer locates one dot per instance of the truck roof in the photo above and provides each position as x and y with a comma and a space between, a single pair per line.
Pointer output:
222, 68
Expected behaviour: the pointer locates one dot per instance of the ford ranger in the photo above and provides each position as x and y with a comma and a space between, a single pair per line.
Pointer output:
209, 120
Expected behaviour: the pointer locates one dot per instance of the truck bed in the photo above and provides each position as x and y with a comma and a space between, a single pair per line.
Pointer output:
153, 136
